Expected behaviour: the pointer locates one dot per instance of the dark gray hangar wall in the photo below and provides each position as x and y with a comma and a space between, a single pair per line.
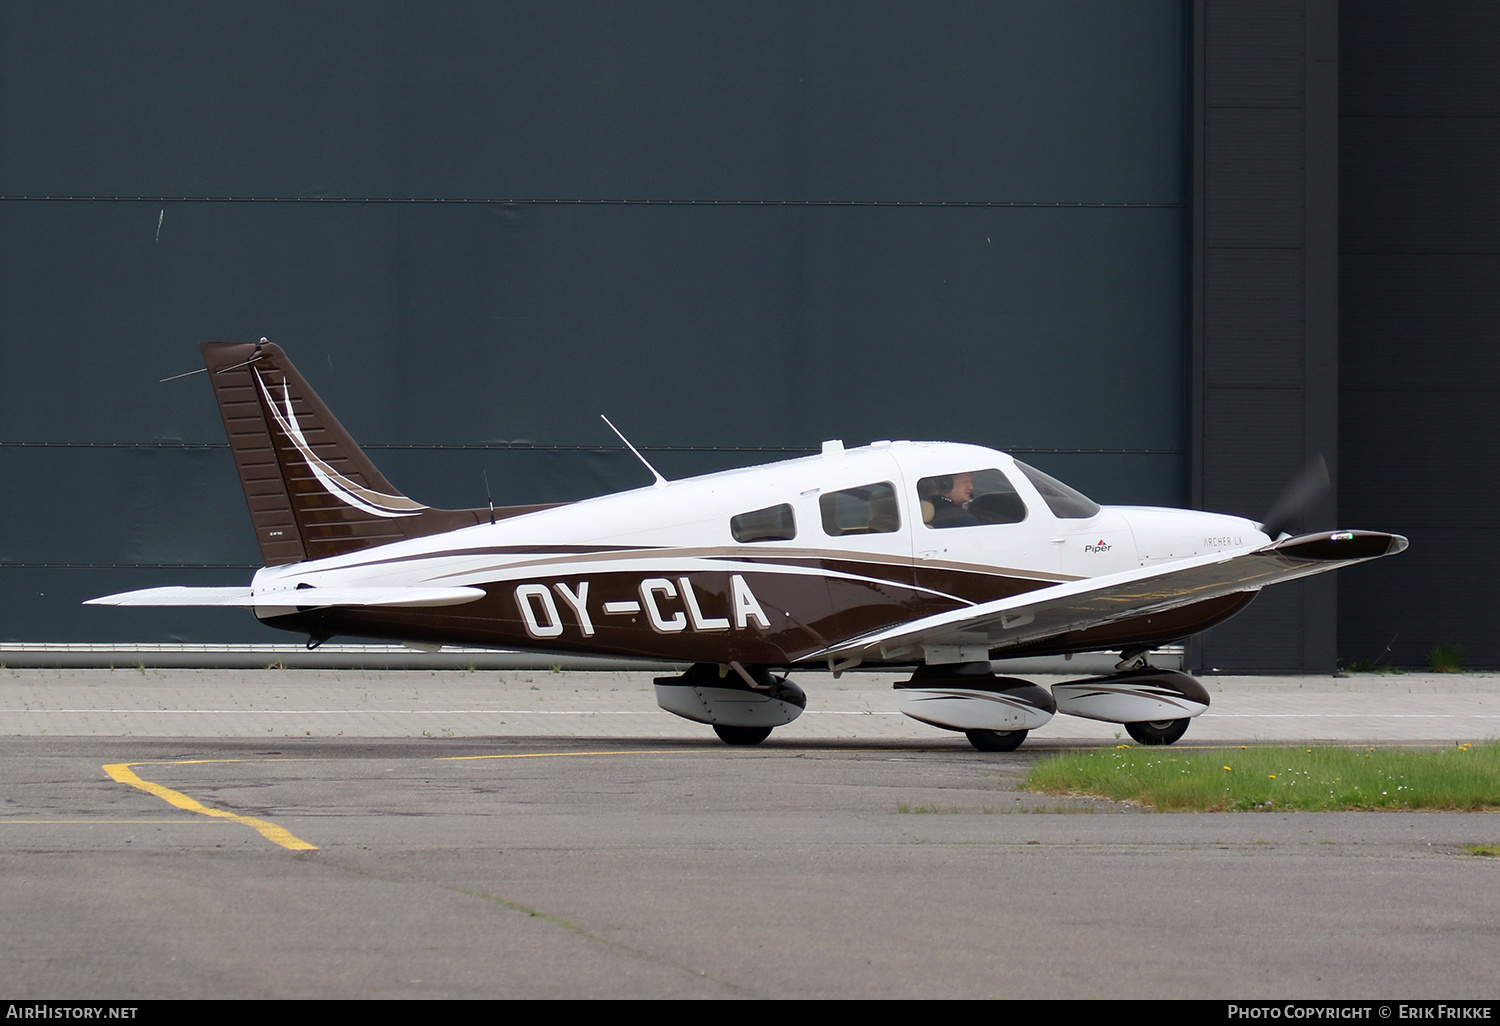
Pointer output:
738, 229
1419, 418
1346, 250
1265, 297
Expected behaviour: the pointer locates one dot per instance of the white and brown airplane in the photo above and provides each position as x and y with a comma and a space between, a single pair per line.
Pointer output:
930, 555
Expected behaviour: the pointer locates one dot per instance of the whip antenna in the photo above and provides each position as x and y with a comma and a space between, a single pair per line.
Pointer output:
660, 481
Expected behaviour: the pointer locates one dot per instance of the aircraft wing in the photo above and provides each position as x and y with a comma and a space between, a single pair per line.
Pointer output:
1095, 601
301, 598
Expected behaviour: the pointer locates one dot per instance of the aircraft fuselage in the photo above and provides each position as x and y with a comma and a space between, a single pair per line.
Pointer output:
766, 565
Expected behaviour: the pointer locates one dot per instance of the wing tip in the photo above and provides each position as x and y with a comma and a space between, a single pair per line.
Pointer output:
1342, 545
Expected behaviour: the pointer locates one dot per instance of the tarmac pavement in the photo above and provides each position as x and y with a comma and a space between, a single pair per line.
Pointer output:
599, 704
367, 834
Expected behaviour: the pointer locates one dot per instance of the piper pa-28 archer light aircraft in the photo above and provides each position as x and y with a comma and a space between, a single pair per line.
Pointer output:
928, 555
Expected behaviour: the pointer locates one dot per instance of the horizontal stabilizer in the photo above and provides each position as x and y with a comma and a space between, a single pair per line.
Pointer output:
301, 598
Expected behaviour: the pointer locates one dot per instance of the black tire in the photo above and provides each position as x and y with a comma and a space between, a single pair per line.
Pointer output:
742, 735
1157, 732
996, 740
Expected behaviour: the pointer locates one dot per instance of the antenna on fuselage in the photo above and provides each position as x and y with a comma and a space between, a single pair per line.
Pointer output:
660, 481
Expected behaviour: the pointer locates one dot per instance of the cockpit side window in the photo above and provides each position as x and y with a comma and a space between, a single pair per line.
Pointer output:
868, 509
969, 498
774, 523
1066, 503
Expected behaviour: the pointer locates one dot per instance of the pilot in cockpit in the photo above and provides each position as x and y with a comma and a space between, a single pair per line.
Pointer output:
949, 497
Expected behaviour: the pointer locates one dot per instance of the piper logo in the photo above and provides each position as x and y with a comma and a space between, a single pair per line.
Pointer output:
1098, 546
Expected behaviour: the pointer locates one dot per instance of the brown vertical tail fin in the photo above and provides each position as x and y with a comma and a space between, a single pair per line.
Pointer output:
312, 491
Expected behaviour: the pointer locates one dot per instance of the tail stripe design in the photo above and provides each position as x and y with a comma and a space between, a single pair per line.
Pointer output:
312, 492
340, 487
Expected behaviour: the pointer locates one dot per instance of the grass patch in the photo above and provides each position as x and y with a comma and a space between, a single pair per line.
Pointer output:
1371, 666
1446, 659
1482, 849
1321, 779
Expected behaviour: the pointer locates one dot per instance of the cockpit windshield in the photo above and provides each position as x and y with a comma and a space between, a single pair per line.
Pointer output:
1066, 503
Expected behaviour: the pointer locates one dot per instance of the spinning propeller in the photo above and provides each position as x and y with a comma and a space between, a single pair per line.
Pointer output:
1300, 494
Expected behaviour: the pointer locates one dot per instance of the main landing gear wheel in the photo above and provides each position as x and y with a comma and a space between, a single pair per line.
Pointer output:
996, 740
1157, 732
742, 735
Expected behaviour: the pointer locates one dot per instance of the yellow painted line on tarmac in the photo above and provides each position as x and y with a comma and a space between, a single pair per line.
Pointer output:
684, 751
549, 755
122, 773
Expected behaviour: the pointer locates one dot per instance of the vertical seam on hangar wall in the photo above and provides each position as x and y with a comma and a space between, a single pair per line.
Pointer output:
1321, 271
1264, 265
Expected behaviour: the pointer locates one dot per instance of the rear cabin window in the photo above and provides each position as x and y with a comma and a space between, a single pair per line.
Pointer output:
1066, 503
868, 509
969, 498
774, 523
